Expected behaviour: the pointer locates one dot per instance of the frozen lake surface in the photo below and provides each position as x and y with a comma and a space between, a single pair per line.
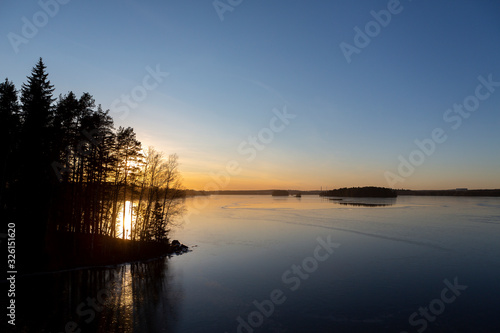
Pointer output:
286, 264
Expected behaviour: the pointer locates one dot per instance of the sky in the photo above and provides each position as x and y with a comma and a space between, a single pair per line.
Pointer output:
282, 94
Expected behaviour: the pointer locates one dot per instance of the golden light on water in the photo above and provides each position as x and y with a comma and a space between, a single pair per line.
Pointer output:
127, 220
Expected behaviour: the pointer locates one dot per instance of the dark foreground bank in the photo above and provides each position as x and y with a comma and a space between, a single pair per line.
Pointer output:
66, 250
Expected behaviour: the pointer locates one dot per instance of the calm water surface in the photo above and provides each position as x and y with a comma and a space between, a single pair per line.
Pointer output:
263, 264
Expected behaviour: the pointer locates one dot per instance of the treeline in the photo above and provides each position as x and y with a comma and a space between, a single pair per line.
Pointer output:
276, 193
64, 167
457, 193
367, 192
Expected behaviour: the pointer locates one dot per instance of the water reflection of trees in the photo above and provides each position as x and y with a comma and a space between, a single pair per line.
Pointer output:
362, 204
144, 299
367, 202
137, 297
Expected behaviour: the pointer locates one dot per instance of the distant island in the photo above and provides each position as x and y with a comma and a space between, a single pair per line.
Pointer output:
460, 192
277, 193
260, 192
361, 192
452, 192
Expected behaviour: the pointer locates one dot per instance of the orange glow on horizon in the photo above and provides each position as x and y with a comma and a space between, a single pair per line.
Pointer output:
205, 182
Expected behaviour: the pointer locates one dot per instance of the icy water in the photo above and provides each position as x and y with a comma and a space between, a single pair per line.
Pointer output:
286, 264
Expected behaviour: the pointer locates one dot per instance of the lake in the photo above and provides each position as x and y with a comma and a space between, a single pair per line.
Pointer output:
287, 264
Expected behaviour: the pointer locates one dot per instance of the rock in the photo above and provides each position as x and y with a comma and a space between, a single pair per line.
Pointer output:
178, 247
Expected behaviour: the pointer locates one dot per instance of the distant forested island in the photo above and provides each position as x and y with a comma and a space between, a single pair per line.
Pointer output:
456, 193
365, 192
261, 192
278, 193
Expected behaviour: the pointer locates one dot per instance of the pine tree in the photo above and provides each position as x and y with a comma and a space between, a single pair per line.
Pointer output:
9, 136
36, 100
36, 154
64, 134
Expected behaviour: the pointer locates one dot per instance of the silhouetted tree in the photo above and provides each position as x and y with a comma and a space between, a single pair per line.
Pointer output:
37, 113
9, 135
129, 153
68, 164
159, 224
171, 206
65, 131
35, 186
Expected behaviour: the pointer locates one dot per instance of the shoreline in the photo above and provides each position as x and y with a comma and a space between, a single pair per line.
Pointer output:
64, 270
455, 193
63, 251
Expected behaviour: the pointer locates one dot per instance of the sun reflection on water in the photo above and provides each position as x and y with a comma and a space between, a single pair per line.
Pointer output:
127, 220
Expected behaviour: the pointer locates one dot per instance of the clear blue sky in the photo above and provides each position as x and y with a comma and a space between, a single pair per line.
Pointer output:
354, 120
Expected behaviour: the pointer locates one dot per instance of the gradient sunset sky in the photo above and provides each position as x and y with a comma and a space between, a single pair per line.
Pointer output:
355, 117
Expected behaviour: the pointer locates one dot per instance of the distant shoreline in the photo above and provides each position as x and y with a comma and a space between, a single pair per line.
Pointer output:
455, 193
452, 193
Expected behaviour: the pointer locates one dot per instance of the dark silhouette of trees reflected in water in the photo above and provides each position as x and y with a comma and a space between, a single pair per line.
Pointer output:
144, 300
136, 297
364, 204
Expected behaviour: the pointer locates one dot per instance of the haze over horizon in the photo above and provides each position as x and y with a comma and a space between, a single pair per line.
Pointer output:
283, 95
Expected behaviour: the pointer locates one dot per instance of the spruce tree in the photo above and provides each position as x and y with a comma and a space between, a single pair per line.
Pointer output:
36, 153
9, 136
37, 114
